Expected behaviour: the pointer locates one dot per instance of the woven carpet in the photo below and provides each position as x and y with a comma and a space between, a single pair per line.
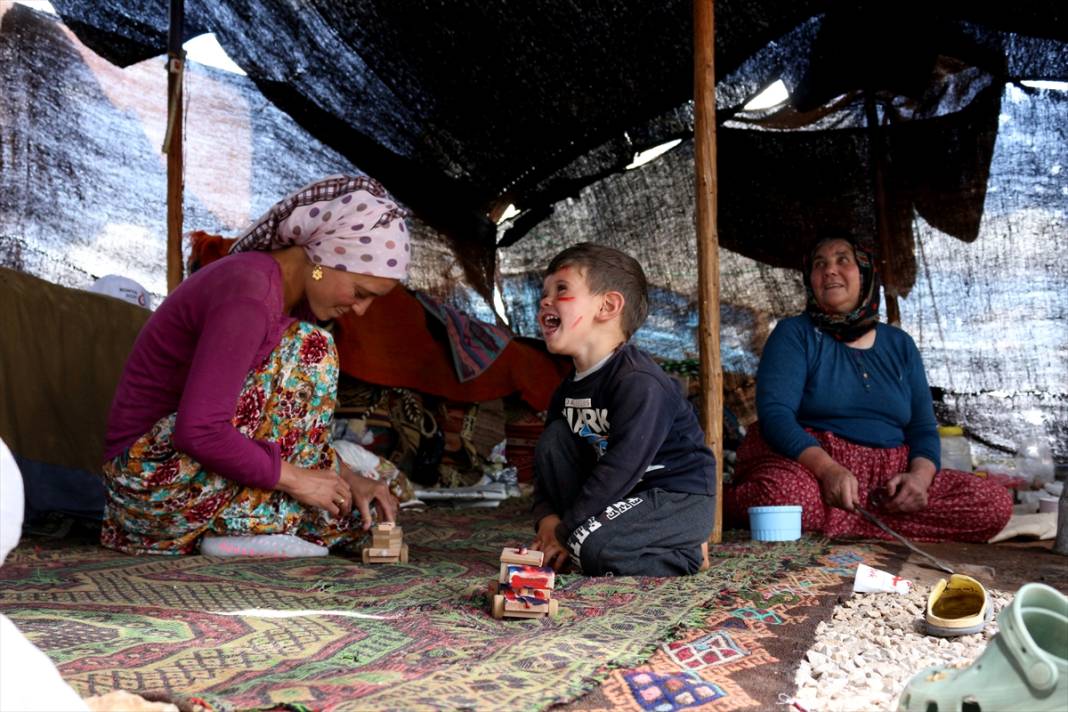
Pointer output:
749, 642
332, 634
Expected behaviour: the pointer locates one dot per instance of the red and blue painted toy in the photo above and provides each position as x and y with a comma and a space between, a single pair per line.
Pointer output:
524, 588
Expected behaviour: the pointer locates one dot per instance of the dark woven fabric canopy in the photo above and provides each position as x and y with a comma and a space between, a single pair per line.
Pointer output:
463, 106
923, 128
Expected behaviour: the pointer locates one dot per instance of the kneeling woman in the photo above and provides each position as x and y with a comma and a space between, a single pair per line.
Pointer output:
221, 421
846, 419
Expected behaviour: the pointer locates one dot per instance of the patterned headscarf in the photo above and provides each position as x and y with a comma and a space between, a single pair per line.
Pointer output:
349, 223
862, 319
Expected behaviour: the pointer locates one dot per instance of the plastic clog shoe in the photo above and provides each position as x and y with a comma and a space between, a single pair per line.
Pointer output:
958, 606
1024, 666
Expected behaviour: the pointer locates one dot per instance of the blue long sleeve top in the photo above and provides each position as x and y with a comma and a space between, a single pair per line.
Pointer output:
876, 397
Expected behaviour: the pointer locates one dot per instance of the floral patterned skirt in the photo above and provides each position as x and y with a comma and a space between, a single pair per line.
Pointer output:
161, 501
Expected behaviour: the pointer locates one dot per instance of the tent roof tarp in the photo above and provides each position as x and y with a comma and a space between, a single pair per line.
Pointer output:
458, 105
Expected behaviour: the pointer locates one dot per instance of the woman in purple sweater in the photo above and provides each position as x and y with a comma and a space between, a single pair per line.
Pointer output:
846, 419
220, 425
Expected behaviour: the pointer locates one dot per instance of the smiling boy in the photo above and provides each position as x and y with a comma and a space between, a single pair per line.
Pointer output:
623, 481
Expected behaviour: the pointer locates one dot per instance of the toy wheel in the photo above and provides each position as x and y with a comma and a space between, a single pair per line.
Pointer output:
366, 556
404, 554
498, 606
554, 608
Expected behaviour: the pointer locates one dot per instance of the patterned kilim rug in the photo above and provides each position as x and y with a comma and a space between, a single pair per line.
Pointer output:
332, 634
747, 647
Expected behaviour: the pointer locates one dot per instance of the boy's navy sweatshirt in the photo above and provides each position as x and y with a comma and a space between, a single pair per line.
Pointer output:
641, 430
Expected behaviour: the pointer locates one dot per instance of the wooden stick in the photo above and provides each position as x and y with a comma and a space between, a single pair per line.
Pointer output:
704, 135
172, 144
877, 154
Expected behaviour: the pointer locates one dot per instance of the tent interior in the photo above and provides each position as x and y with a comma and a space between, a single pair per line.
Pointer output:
511, 130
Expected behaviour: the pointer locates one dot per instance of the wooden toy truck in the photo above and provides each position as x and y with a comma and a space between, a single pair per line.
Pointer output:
524, 588
387, 545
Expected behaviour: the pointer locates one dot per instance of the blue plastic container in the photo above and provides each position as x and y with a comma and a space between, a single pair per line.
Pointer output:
775, 523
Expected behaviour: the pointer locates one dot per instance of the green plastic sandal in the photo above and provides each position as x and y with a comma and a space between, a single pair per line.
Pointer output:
1024, 666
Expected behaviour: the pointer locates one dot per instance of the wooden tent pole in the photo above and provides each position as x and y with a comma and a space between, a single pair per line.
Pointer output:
172, 144
877, 155
704, 80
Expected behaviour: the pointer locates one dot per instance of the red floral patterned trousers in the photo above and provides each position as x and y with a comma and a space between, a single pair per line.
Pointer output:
960, 506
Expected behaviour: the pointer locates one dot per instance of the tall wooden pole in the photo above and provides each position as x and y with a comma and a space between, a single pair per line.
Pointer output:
877, 156
172, 144
704, 130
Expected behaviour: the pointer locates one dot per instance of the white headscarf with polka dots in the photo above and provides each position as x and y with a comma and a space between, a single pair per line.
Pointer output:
349, 223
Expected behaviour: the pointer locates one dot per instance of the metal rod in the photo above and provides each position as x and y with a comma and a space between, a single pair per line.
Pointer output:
912, 547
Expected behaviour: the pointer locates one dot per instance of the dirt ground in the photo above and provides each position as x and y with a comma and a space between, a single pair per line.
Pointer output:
1005, 566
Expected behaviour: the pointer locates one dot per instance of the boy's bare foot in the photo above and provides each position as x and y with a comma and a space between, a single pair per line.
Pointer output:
705, 563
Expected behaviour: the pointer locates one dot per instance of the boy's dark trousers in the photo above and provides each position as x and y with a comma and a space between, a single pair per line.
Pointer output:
652, 532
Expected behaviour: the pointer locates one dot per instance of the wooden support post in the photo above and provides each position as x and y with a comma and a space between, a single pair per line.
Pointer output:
172, 144
877, 156
1060, 544
704, 78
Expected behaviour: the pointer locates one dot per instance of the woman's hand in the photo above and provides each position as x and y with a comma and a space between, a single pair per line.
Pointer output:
908, 490
366, 491
316, 488
555, 553
838, 486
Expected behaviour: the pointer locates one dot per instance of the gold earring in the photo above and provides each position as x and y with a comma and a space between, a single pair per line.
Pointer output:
317, 273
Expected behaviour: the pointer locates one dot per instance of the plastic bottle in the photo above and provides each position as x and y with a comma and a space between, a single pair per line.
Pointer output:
956, 450
1034, 460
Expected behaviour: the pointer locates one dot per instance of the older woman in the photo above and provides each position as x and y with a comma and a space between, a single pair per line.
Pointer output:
846, 419
220, 424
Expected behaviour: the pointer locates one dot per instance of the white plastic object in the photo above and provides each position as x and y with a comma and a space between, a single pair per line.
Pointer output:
1034, 460
11, 502
956, 450
359, 458
29, 680
869, 580
271, 545
775, 523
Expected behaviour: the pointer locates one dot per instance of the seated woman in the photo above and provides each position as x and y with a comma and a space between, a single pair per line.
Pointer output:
846, 419
221, 422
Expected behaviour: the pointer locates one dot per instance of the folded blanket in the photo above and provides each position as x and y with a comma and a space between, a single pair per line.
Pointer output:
391, 345
474, 344
1032, 526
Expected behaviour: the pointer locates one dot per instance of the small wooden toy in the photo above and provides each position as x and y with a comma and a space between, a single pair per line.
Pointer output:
524, 588
387, 545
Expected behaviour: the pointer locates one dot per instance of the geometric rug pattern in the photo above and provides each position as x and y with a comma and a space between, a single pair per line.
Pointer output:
332, 634
745, 652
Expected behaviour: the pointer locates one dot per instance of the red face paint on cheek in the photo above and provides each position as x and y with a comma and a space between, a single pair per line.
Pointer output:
565, 299
576, 323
